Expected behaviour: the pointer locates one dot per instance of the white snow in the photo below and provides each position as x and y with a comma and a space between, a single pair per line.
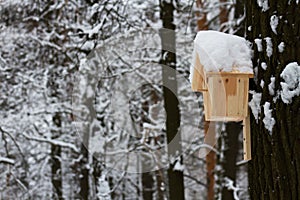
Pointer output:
89, 91
178, 166
281, 47
103, 189
263, 4
229, 184
51, 141
223, 52
268, 120
255, 104
264, 65
291, 84
7, 160
269, 46
271, 86
258, 44
262, 83
94, 30
274, 23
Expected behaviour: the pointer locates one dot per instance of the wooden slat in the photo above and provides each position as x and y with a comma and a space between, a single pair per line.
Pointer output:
198, 79
233, 73
247, 138
232, 98
242, 101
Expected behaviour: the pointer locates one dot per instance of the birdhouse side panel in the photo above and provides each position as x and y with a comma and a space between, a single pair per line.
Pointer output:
198, 79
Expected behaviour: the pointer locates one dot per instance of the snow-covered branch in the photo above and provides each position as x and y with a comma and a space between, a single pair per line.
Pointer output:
7, 160
53, 142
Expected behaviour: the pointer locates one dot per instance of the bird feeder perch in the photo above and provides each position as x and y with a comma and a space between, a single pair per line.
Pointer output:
225, 95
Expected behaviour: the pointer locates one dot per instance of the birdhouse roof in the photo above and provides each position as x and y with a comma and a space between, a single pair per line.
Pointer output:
221, 52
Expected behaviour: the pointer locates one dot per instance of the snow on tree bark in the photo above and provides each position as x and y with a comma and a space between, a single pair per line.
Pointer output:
274, 171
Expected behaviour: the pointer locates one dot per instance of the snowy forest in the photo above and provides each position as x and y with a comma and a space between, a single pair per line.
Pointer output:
96, 100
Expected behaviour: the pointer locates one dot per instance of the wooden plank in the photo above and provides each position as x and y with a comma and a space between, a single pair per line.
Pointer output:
198, 79
228, 74
231, 96
242, 102
207, 105
246, 96
217, 90
247, 138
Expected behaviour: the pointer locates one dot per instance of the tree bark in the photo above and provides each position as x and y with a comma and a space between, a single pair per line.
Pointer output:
231, 143
168, 61
223, 17
274, 171
56, 176
202, 16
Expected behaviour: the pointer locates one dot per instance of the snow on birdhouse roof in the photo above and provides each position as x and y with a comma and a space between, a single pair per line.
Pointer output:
221, 52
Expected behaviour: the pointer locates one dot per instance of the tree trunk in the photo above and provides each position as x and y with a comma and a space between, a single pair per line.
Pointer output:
210, 165
223, 14
56, 176
202, 17
147, 175
87, 127
168, 60
231, 143
55, 163
274, 171
147, 182
84, 174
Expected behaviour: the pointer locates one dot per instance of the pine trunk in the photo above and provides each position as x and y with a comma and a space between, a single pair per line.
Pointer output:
274, 171
56, 176
231, 143
168, 61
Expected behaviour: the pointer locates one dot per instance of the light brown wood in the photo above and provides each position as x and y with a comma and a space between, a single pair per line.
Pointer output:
198, 79
247, 138
227, 96
232, 73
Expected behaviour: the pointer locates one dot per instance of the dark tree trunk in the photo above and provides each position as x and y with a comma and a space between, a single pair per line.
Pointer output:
87, 128
159, 182
84, 174
147, 182
274, 171
55, 163
168, 60
56, 176
147, 176
231, 143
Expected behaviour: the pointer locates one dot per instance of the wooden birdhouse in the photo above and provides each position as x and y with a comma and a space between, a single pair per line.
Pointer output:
225, 93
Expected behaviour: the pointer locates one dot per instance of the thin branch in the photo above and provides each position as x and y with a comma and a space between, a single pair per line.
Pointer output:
7, 161
194, 179
14, 141
53, 142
